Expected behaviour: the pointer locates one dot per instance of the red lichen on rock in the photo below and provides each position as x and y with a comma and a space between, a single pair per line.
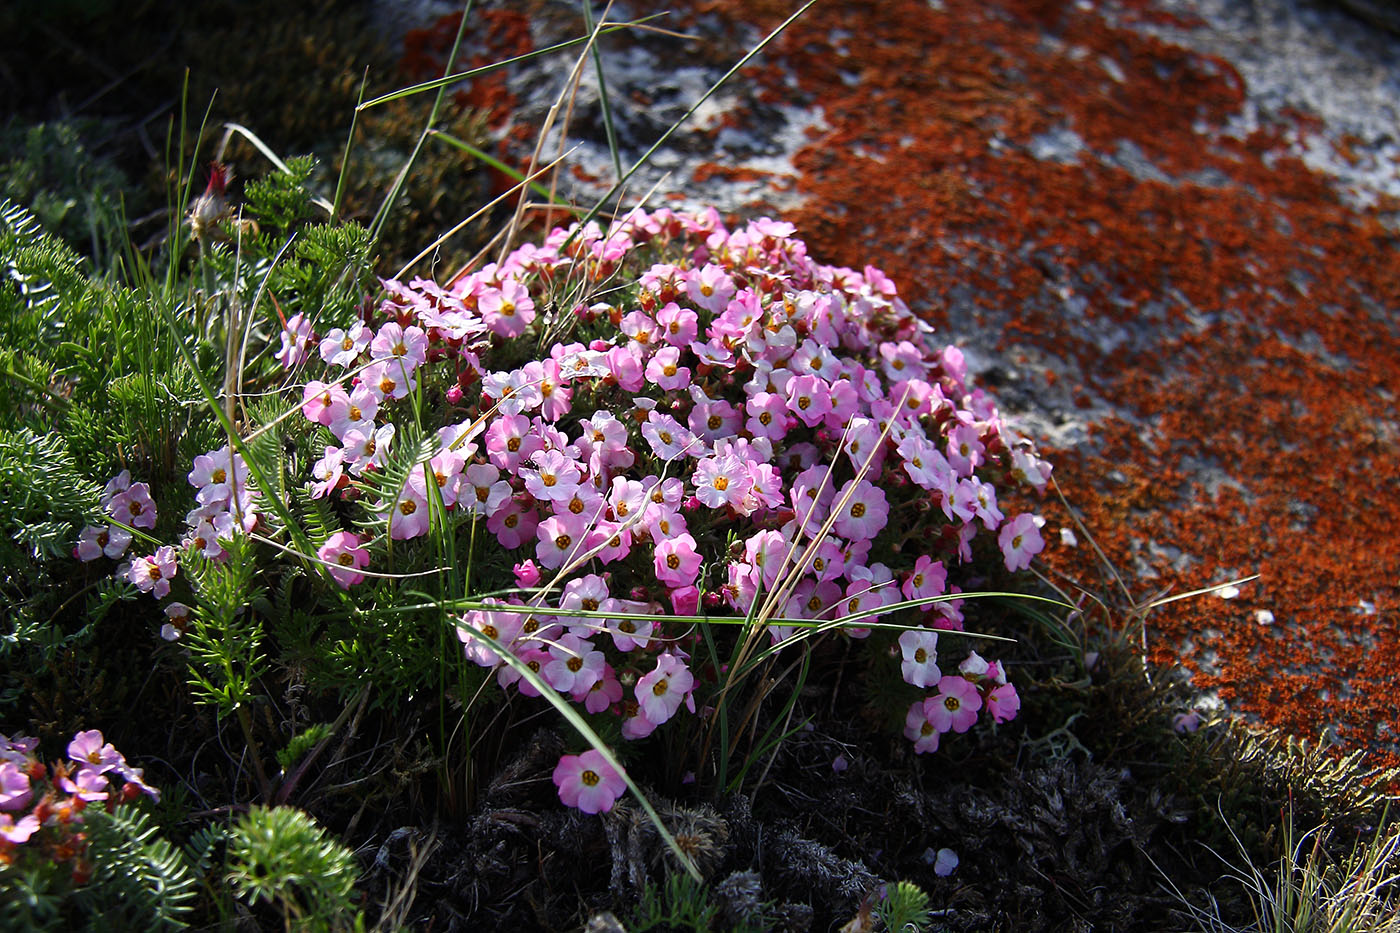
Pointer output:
492, 35
1217, 294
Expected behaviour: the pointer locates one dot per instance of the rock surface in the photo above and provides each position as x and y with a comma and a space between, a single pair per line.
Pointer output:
1165, 233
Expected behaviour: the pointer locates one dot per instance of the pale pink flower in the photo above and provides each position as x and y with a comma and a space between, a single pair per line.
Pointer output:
500, 627
510, 440
408, 345
18, 831
809, 399
296, 342
668, 437
1020, 541
341, 347
665, 369
865, 512
359, 414
86, 784
606, 691
575, 666
98, 540
721, 481
965, 449
134, 507
389, 379
512, 524
409, 516
15, 792
919, 727
661, 692
929, 578
587, 593
920, 664
587, 782
328, 472
152, 574
627, 634
555, 477
709, 287
93, 753
560, 539
345, 555
711, 420
768, 415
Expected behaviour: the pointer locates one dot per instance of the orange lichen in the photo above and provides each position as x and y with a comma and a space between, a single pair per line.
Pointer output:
1258, 421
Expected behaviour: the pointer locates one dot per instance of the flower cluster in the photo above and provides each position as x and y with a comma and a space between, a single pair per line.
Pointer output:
724, 425
740, 401
42, 806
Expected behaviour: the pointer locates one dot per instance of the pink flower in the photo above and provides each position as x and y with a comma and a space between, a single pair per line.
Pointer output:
709, 287
661, 692
665, 369
89, 784
18, 831
1020, 541
179, 615
676, 561
919, 727
678, 325
507, 311
324, 404
1004, 703
296, 342
965, 449
408, 345
864, 514
809, 399
606, 691
388, 379
359, 415
343, 552
509, 440
328, 472
920, 664
627, 634
409, 516
90, 751
98, 540
134, 507
768, 415
668, 438
15, 792
928, 579
527, 574
559, 540
513, 526
341, 347
721, 481
153, 574
956, 705
574, 666
500, 627
587, 782
555, 477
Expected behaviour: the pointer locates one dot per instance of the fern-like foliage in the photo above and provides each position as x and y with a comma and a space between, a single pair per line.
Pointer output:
279, 856
140, 880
